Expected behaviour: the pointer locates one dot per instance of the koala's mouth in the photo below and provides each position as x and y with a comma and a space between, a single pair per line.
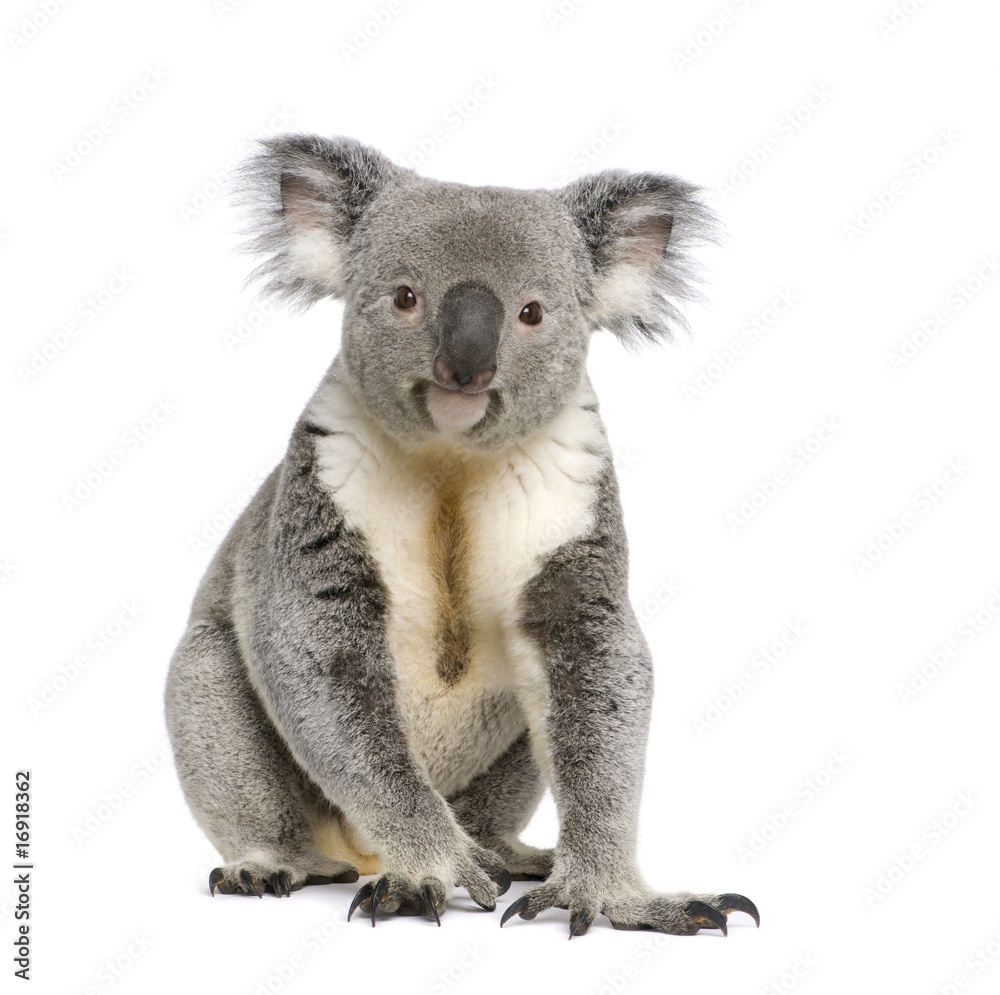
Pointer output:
454, 411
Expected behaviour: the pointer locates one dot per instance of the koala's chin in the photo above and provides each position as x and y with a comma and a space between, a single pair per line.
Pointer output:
454, 412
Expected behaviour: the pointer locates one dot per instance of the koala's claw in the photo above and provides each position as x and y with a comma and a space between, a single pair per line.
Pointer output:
429, 895
246, 884
255, 879
707, 916
739, 903
379, 895
365, 893
213, 880
280, 884
396, 893
251, 884
580, 923
516, 907
502, 878
683, 914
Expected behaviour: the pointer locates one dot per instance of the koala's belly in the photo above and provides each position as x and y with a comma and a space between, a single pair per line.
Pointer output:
453, 605
457, 536
456, 733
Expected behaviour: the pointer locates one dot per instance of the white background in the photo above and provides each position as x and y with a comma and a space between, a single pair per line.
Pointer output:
851, 150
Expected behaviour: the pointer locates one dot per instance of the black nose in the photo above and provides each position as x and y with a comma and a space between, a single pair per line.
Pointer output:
449, 375
469, 320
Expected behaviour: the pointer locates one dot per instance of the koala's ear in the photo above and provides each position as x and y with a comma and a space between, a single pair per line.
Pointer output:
639, 228
303, 196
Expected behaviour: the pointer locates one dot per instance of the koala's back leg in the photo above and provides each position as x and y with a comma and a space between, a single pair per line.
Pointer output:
496, 806
239, 779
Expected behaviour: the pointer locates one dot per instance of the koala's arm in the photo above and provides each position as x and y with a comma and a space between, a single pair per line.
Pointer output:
590, 735
319, 658
599, 685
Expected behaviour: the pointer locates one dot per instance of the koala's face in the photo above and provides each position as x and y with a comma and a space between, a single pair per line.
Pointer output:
463, 310
468, 309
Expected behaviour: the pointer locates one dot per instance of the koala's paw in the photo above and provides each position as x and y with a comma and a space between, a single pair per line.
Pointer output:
251, 877
482, 874
682, 914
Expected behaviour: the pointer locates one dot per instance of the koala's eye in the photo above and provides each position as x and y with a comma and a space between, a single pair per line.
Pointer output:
531, 314
404, 298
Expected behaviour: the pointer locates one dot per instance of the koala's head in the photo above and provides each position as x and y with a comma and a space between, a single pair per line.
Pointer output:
468, 310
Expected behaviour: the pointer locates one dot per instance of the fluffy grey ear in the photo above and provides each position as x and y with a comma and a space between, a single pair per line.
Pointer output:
304, 195
639, 228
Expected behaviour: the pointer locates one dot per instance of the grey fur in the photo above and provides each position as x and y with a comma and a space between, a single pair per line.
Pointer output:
293, 701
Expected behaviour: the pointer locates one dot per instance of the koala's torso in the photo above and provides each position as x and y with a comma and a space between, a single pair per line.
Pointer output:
456, 537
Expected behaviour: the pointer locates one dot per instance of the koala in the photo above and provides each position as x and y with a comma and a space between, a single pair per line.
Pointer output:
422, 617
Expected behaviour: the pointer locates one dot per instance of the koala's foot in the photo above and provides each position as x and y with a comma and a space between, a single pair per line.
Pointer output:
682, 914
252, 877
482, 874
401, 894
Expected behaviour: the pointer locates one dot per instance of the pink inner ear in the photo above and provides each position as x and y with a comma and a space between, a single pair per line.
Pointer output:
645, 245
300, 203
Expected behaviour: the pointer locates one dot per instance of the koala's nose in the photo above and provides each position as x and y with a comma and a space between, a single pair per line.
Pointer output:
447, 374
470, 320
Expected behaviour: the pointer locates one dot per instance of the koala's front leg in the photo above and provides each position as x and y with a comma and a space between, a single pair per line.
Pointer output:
335, 706
590, 735
321, 661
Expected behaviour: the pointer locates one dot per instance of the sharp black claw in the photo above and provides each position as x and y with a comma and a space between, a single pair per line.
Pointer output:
213, 880
280, 884
248, 879
363, 892
429, 895
378, 895
739, 903
515, 908
580, 923
701, 911
503, 881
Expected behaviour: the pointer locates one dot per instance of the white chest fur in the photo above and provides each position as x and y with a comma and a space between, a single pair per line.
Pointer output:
457, 535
